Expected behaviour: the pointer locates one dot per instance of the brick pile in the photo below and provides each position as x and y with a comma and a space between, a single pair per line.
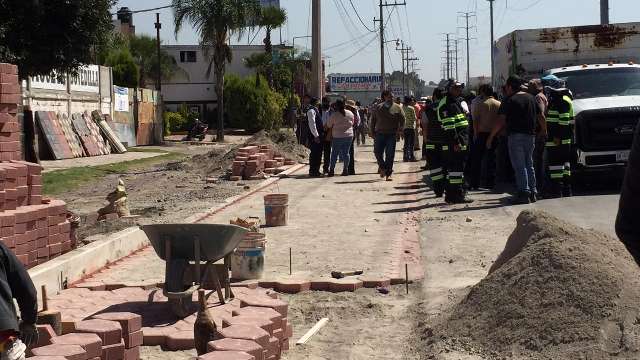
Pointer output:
107, 336
10, 97
251, 162
36, 230
254, 323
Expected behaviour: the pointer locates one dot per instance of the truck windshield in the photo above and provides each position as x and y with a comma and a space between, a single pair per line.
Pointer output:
605, 82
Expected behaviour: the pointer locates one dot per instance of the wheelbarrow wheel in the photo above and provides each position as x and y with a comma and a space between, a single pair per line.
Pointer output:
181, 307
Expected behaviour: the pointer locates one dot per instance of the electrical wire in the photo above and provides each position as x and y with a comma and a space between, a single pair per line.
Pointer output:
147, 10
359, 18
526, 7
357, 52
343, 16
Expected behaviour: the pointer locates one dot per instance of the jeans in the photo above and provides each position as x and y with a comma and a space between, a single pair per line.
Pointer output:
340, 147
409, 144
521, 147
361, 135
352, 157
326, 151
384, 148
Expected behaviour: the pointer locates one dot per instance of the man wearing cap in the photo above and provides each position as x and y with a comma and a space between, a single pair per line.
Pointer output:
560, 137
453, 120
314, 121
387, 123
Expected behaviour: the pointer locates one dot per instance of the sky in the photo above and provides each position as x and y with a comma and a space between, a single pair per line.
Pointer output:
420, 24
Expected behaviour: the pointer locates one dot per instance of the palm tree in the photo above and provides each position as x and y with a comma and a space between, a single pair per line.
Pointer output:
215, 21
271, 17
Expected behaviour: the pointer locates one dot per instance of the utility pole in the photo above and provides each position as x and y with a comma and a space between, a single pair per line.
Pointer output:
316, 50
405, 54
467, 16
448, 57
604, 12
383, 85
456, 52
410, 65
159, 67
493, 80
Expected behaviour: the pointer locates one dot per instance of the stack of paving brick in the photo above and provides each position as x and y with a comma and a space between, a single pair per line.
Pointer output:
35, 231
253, 161
10, 97
107, 336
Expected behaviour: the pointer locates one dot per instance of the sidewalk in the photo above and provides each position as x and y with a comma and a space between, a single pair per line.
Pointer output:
344, 223
96, 160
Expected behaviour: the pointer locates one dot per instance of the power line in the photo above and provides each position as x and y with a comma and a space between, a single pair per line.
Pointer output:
356, 52
147, 10
359, 18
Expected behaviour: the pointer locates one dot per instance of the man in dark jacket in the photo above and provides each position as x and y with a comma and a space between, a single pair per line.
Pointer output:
15, 283
628, 221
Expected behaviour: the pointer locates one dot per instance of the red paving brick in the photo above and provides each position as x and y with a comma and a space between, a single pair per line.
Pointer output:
133, 339
45, 333
132, 354
113, 352
227, 355
247, 346
154, 336
261, 322
69, 352
274, 347
129, 322
342, 285
180, 340
277, 305
246, 332
273, 316
109, 331
293, 286
91, 343
374, 282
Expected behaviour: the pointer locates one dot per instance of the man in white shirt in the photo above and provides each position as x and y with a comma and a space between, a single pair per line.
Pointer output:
316, 129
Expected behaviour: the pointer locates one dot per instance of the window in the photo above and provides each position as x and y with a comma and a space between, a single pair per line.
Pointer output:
187, 56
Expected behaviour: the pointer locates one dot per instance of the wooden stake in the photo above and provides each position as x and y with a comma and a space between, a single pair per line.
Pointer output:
406, 274
45, 304
314, 330
290, 263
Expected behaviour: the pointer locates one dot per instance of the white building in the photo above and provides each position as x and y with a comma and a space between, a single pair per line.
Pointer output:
191, 86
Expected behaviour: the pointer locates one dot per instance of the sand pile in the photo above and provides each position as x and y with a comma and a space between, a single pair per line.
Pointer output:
218, 160
556, 292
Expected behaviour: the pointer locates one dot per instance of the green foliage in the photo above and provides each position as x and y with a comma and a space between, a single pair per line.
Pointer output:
174, 121
214, 21
253, 107
125, 70
53, 35
143, 49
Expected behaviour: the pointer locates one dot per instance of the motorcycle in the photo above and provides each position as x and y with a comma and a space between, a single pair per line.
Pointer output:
198, 131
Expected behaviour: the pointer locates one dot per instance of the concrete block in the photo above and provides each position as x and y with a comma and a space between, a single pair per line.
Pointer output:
180, 340
129, 322
113, 352
246, 332
247, 346
227, 355
69, 352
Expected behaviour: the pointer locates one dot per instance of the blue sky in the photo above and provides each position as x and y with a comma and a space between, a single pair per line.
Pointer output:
420, 24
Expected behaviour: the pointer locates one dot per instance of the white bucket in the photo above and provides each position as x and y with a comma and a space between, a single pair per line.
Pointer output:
247, 263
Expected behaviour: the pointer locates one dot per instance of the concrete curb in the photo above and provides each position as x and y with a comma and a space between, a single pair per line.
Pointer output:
80, 263
88, 259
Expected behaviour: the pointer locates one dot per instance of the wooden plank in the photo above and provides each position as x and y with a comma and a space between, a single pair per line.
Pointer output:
111, 136
314, 330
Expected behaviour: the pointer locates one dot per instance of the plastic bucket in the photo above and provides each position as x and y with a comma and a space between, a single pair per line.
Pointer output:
247, 264
276, 209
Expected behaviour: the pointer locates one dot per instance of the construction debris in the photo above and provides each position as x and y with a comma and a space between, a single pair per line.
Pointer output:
118, 206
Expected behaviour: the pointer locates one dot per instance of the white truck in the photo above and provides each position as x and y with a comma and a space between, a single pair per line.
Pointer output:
598, 64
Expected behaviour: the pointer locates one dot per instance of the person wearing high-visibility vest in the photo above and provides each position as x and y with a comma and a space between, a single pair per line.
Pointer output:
435, 144
560, 119
454, 121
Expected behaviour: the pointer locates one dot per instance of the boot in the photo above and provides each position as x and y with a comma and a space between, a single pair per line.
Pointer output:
567, 191
521, 199
533, 197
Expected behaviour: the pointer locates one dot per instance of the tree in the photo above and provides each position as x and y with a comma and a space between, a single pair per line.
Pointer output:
215, 21
144, 51
124, 69
53, 35
271, 17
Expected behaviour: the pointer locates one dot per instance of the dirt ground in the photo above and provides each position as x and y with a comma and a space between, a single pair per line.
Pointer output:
168, 191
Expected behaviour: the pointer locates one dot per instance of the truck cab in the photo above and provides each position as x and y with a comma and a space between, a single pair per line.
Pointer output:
607, 111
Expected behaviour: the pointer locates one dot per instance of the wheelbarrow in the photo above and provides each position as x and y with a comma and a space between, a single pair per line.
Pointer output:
180, 245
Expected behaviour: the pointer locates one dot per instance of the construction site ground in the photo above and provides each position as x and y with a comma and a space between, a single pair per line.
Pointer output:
355, 223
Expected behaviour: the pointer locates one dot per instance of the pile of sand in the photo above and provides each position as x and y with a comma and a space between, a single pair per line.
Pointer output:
556, 292
218, 160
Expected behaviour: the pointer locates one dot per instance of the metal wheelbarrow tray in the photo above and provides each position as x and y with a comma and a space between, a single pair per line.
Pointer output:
181, 244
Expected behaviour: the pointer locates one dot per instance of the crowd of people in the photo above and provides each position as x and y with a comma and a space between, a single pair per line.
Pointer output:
520, 138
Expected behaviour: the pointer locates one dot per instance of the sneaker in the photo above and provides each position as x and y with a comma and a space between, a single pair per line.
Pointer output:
567, 192
389, 178
331, 174
381, 172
